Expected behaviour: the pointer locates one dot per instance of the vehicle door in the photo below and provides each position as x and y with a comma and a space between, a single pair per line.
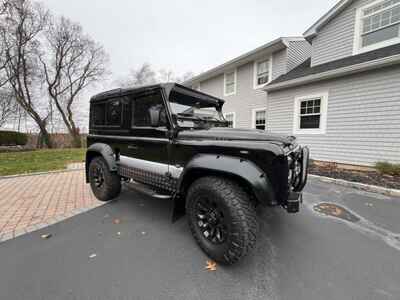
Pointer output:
146, 151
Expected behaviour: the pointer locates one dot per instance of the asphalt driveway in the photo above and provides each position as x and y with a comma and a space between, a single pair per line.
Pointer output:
128, 249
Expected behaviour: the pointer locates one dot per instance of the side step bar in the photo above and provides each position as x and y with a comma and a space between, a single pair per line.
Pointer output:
144, 189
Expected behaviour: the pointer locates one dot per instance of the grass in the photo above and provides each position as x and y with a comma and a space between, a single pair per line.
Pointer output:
388, 168
12, 163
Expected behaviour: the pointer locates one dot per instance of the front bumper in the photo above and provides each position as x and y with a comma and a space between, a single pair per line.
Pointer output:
298, 180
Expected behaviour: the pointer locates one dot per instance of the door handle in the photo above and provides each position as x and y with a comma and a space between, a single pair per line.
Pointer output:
133, 147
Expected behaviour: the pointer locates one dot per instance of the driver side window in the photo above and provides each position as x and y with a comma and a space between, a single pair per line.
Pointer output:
149, 111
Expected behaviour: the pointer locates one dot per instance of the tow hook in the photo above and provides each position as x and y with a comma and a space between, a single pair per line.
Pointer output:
293, 202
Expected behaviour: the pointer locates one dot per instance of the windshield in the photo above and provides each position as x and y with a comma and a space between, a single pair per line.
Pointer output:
196, 113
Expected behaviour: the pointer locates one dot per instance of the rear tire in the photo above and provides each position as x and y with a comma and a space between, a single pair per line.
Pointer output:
222, 218
106, 185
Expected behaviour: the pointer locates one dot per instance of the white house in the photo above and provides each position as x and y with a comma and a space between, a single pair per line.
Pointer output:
337, 89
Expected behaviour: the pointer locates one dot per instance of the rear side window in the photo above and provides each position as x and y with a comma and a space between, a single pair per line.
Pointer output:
114, 112
144, 107
108, 113
99, 114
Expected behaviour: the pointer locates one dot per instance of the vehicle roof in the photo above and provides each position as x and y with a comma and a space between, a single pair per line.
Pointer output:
169, 87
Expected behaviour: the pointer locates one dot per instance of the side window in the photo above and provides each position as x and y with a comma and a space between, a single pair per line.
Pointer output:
114, 112
99, 114
147, 109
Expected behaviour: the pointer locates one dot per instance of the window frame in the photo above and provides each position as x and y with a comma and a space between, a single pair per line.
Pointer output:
323, 96
253, 117
234, 71
233, 118
358, 32
133, 99
257, 86
106, 103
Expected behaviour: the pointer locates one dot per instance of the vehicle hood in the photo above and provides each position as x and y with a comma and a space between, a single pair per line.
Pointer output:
233, 134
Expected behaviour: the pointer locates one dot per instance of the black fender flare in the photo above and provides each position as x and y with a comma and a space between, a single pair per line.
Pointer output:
105, 151
237, 167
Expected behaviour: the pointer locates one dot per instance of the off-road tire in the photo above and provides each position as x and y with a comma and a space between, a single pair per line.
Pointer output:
111, 186
236, 205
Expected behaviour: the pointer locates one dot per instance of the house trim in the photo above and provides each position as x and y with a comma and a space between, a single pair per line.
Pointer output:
365, 66
234, 80
310, 33
270, 62
357, 48
266, 49
253, 116
323, 114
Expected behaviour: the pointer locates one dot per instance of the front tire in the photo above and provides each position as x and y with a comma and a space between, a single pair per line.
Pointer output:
221, 218
106, 185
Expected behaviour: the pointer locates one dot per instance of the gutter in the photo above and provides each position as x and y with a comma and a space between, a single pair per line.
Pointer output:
348, 70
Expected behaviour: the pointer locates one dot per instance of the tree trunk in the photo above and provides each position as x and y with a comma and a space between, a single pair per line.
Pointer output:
76, 140
45, 136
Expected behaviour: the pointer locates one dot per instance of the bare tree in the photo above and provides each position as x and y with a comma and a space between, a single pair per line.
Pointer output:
22, 22
8, 106
144, 75
71, 63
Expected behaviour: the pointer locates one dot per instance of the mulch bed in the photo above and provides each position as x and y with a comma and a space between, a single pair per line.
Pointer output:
367, 177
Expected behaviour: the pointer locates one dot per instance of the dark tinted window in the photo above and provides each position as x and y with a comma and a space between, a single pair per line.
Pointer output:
146, 106
114, 112
99, 114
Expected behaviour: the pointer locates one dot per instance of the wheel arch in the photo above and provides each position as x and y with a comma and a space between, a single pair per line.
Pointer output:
104, 150
248, 174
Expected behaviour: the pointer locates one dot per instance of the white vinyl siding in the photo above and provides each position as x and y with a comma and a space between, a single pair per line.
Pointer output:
246, 98
377, 25
363, 124
297, 53
336, 39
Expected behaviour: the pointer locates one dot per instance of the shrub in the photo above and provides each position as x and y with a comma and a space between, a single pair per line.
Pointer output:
12, 138
388, 168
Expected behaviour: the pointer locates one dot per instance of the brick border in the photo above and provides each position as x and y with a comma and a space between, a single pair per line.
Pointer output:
359, 186
40, 173
13, 234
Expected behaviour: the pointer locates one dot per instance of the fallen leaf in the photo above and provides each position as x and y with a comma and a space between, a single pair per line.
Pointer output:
211, 265
117, 221
46, 236
92, 255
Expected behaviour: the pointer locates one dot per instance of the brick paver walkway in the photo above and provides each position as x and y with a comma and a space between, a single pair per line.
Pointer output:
28, 203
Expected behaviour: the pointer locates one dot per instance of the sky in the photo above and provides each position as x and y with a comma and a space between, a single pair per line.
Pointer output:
186, 35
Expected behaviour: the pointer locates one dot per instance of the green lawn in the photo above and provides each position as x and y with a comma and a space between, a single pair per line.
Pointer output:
38, 161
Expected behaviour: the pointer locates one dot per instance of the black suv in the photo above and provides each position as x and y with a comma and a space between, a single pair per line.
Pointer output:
173, 142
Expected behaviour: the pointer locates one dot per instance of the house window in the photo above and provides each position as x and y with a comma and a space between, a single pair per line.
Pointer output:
230, 117
378, 25
230, 83
310, 114
260, 119
261, 73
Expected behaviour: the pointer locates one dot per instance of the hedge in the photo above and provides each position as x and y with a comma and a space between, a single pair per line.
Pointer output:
12, 138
